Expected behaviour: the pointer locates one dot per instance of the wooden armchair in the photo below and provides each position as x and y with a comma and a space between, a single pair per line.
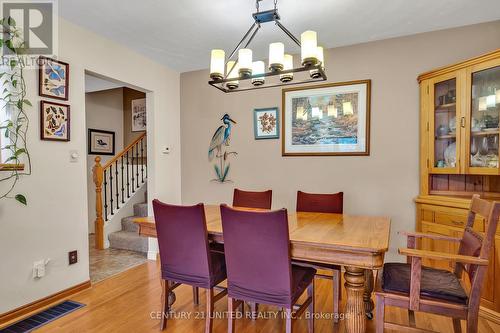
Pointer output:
454, 294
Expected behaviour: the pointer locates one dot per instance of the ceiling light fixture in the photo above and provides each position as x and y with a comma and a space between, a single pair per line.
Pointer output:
226, 74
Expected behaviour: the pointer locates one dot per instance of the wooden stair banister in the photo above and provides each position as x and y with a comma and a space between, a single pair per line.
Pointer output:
119, 169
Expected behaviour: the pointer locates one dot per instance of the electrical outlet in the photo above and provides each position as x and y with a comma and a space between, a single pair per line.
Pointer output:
73, 257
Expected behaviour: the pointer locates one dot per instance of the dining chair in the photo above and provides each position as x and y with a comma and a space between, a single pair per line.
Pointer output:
252, 199
185, 255
259, 267
324, 203
454, 294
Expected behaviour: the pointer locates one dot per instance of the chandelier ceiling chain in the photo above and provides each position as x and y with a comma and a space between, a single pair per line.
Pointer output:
226, 74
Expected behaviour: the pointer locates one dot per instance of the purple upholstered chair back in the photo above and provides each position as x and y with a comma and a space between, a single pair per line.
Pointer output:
252, 199
257, 248
183, 243
320, 203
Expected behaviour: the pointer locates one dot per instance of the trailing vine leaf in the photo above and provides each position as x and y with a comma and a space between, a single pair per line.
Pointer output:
22, 199
13, 97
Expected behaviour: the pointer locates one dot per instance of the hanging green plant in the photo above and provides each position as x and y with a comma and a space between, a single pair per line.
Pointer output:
13, 147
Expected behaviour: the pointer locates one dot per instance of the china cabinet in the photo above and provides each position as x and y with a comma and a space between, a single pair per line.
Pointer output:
459, 148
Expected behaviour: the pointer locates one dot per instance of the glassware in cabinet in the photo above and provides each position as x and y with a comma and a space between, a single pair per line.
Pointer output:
445, 124
484, 119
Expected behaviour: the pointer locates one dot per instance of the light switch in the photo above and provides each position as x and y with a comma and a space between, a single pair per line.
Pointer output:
73, 156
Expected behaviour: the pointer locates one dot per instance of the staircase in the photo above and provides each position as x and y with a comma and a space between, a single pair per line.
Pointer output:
119, 184
128, 238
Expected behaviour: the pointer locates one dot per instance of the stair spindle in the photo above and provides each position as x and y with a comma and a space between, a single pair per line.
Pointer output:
133, 179
111, 188
137, 167
105, 197
117, 186
128, 177
123, 189
142, 162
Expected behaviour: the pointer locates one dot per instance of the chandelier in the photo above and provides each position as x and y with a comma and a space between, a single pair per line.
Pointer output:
226, 75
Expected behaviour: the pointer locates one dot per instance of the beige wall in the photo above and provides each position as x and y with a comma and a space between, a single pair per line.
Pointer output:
103, 111
56, 218
128, 96
385, 183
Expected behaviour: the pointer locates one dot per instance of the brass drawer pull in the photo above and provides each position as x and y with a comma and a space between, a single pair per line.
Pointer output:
456, 222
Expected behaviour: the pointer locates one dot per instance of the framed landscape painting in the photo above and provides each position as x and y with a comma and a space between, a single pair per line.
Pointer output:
54, 121
327, 119
266, 123
53, 78
101, 142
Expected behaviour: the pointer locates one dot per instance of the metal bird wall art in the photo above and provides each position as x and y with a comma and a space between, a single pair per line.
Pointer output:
219, 149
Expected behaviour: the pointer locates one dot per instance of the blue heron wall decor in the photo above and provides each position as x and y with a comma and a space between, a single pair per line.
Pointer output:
219, 149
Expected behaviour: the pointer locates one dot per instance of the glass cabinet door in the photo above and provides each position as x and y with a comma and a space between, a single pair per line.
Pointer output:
445, 126
484, 120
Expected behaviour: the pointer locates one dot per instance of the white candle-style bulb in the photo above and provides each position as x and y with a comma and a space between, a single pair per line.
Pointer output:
287, 64
258, 67
232, 71
276, 56
217, 64
309, 48
245, 62
497, 96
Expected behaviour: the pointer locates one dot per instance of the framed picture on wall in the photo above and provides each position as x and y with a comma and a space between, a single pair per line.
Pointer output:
327, 119
101, 142
266, 123
54, 121
53, 76
139, 115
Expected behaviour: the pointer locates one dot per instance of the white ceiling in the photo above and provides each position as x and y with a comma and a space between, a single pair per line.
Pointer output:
181, 33
94, 83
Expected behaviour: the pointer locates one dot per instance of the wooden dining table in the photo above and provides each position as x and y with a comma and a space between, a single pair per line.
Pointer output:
358, 243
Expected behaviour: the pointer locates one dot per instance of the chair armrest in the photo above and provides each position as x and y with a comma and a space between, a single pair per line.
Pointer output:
430, 236
443, 256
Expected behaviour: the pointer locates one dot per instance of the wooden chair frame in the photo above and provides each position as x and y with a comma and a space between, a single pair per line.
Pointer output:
469, 311
169, 286
290, 314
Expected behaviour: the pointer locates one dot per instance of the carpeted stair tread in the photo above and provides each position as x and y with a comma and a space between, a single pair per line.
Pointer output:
141, 209
128, 224
128, 240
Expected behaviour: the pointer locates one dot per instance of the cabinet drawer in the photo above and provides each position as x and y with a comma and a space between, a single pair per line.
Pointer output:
452, 219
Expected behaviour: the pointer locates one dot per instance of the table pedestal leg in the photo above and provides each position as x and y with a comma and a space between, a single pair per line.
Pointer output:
355, 307
367, 296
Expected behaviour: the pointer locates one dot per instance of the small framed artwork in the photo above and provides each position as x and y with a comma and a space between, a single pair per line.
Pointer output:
53, 76
101, 142
139, 115
54, 121
327, 119
266, 123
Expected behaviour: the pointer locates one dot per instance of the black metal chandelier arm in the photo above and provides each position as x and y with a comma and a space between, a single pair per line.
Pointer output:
239, 46
241, 42
287, 32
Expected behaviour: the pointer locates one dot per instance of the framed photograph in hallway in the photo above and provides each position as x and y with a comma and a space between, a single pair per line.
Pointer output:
53, 76
101, 142
139, 115
54, 121
327, 120
266, 123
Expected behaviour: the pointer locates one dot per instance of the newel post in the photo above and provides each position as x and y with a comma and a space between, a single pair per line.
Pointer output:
99, 222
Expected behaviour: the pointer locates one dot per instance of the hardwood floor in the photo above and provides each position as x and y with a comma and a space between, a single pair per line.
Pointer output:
128, 301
